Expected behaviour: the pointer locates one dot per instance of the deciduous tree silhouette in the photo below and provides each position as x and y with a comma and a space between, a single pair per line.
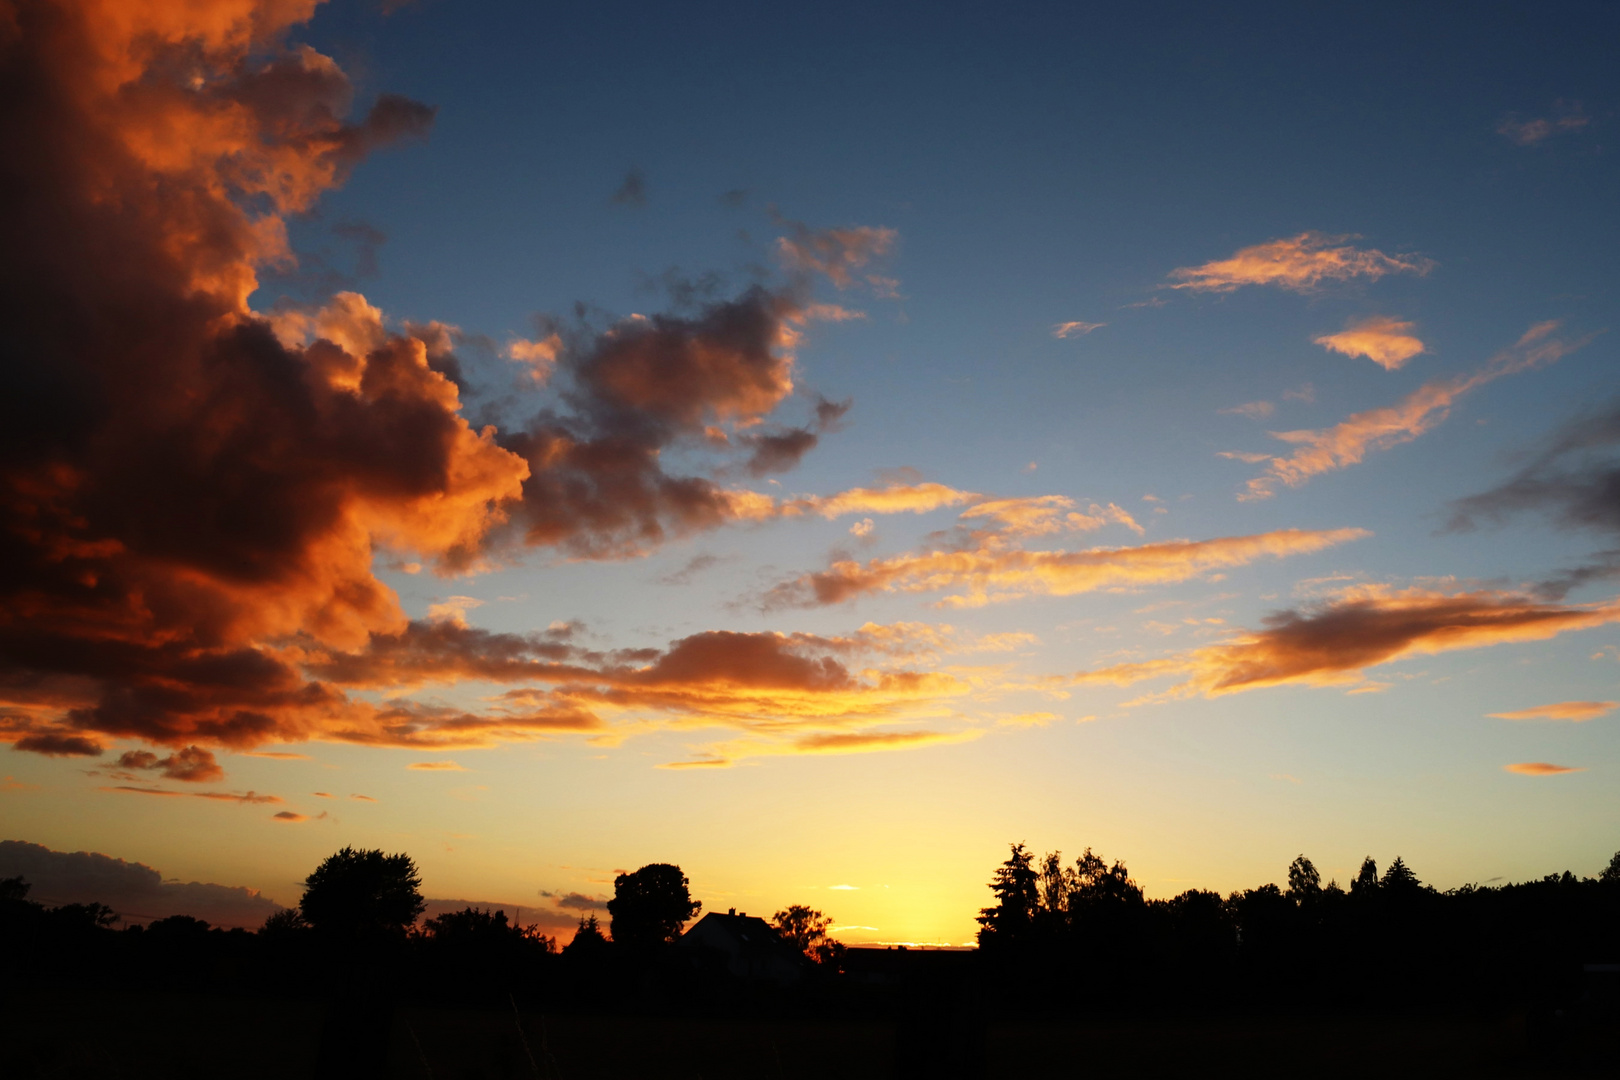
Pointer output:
1365, 882
1304, 881
355, 894
1610, 872
650, 906
804, 928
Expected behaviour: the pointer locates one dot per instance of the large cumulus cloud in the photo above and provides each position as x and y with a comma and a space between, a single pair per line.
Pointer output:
193, 494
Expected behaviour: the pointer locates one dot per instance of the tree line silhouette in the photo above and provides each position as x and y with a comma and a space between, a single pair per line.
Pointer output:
1054, 937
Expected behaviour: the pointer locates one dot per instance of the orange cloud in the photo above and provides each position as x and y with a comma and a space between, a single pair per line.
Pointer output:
994, 571
1333, 644
435, 766
182, 564
1385, 341
1075, 329
539, 356
1540, 768
289, 816
1041, 515
893, 499
1425, 408
1574, 711
1299, 263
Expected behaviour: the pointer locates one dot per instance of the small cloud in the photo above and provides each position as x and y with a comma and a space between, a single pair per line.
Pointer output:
11, 783
540, 355
363, 798
435, 766
1528, 131
862, 527
321, 794
633, 191
1306, 393
274, 755
1573, 711
1540, 768
1075, 329
454, 610
1386, 341
1254, 410
1031, 467
193, 764
578, 901
288, 815
1286, 778
845, 888
52, 744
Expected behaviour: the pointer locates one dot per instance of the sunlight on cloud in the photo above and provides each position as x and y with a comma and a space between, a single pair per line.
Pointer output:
1541, 768
1386, 341
1331, 644
1427, 407
1573, 711
1300, 264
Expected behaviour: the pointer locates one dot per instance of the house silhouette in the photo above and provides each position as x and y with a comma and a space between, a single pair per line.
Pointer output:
751, 948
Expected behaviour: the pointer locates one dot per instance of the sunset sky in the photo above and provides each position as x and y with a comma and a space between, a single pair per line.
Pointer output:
814, 446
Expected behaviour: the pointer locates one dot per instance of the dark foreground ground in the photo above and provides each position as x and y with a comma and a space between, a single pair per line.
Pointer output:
72, 1034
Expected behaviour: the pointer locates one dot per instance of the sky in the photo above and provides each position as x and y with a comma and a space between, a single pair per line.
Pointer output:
814, 446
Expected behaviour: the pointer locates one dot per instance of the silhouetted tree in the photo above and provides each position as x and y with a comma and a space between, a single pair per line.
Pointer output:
588, 939
650, 906
1610, 872
15, 888
1016, 885
1365, 883
1399, 878
1304, 882
803, 927
363, 894
284, 922
1056, 883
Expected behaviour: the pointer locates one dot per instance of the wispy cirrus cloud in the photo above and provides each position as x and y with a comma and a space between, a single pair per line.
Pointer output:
919, 498
1530, 130
1075, 329
1386, 341
1299, 264
1254, 410
988, 568
839, 253
216, 796
1574, 711
1334, 643
1347, 443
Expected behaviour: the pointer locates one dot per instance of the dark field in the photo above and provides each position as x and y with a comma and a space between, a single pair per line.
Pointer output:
69, 1034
